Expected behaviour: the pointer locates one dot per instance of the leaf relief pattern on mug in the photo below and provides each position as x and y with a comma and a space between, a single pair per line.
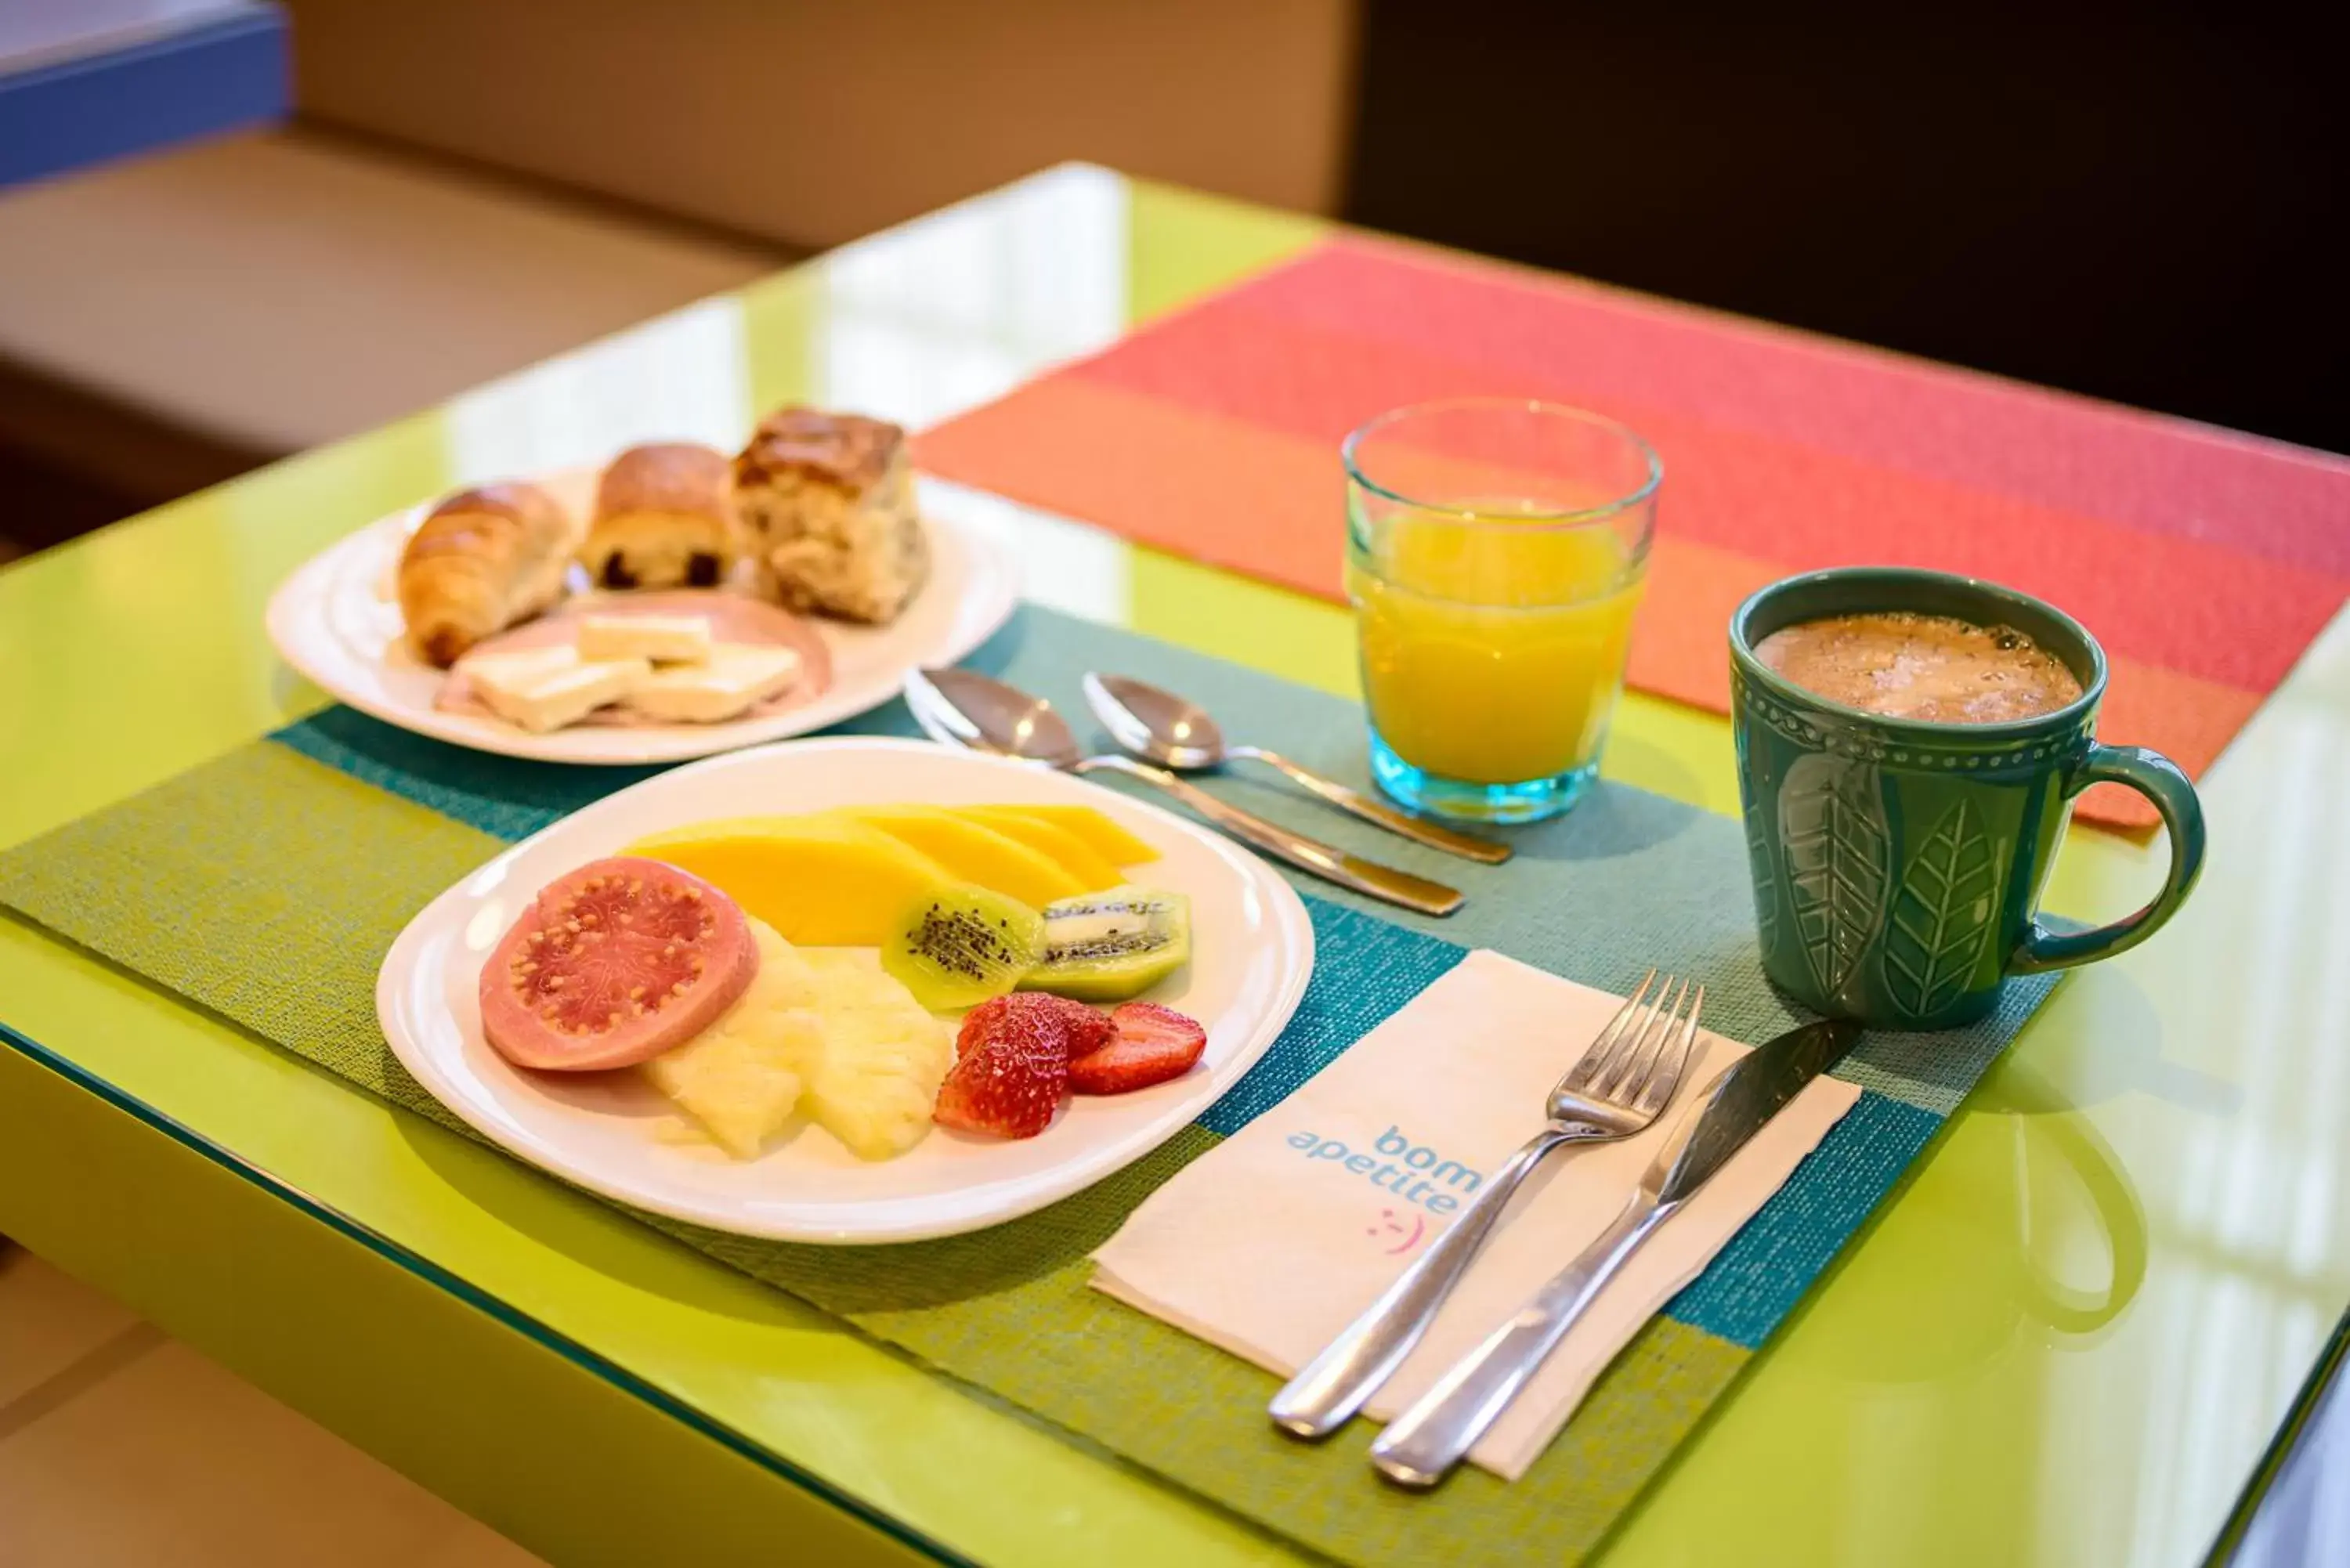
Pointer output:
1943, 914
1766, 874
1831, 824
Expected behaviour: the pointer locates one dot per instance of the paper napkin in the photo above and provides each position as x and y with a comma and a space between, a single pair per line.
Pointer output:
1274, 1241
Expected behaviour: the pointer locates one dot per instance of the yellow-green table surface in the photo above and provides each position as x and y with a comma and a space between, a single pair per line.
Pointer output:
1963, 1389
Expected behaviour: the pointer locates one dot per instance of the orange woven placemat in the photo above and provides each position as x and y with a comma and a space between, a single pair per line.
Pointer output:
2204, 560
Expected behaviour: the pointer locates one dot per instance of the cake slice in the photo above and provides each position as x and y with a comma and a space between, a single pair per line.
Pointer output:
828, 500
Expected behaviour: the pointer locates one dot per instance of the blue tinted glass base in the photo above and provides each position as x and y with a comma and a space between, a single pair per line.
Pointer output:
1416, 789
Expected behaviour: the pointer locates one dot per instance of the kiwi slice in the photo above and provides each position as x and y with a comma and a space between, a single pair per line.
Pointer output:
960, 945
1108, 946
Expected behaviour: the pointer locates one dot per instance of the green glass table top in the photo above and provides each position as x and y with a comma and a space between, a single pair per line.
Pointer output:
2068, 1341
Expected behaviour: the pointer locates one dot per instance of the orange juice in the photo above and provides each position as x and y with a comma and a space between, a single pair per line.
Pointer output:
1493, 641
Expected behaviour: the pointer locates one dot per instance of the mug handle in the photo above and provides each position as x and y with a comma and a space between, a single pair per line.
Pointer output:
2158, 779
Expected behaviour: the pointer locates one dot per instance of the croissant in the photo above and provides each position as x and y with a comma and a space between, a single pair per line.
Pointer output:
481, 561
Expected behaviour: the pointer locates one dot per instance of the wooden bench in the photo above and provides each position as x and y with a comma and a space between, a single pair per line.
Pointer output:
171, 321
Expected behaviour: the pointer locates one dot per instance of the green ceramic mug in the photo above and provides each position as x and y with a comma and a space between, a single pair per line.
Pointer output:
1898, 863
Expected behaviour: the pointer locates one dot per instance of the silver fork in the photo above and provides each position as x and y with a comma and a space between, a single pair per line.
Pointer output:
1622, 1082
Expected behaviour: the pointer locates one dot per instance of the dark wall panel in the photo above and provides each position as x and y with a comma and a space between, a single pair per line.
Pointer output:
2147, 207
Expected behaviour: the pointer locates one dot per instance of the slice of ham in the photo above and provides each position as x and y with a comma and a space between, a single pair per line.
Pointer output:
732, 618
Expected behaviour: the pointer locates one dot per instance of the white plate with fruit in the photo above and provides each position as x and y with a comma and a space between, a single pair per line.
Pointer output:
847, 990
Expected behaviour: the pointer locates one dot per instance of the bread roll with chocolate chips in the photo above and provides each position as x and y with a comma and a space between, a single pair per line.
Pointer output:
481, 561
664, 519
827, 503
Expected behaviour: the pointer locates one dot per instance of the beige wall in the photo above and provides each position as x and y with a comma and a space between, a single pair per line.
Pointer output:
812, 121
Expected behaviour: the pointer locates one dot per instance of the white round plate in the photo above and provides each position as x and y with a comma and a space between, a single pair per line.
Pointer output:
1251, 950
337, 620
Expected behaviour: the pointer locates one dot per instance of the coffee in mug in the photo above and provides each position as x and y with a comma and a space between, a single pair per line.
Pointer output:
1909, 745
1935, 669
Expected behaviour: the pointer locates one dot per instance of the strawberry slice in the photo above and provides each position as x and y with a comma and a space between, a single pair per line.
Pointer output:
1154, 1044
1010, 1074
1082, 1029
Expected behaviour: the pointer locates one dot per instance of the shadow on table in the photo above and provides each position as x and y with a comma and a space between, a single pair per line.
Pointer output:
1612, 821
842, 1280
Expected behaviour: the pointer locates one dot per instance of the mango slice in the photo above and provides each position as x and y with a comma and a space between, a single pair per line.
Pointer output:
972, 851
1113, 843
821, 880
1081, 859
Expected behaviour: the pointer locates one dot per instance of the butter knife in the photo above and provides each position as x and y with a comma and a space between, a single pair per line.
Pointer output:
1420, 1446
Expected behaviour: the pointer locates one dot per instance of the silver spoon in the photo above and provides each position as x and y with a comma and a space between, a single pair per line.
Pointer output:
964, 708
1174, 732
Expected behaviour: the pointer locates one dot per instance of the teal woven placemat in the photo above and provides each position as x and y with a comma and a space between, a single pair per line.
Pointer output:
289, 925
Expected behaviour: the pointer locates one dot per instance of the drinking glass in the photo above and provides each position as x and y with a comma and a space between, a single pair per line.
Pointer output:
1496, 549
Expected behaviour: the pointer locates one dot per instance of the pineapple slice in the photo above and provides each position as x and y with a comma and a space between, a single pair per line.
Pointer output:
883, 1059
823, 1033
741, 1077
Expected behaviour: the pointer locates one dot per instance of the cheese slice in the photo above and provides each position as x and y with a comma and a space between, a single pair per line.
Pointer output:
519, 668
547, 696
738, 678
663, 638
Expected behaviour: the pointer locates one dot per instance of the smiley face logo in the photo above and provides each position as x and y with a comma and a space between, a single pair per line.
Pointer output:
1392, 1228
